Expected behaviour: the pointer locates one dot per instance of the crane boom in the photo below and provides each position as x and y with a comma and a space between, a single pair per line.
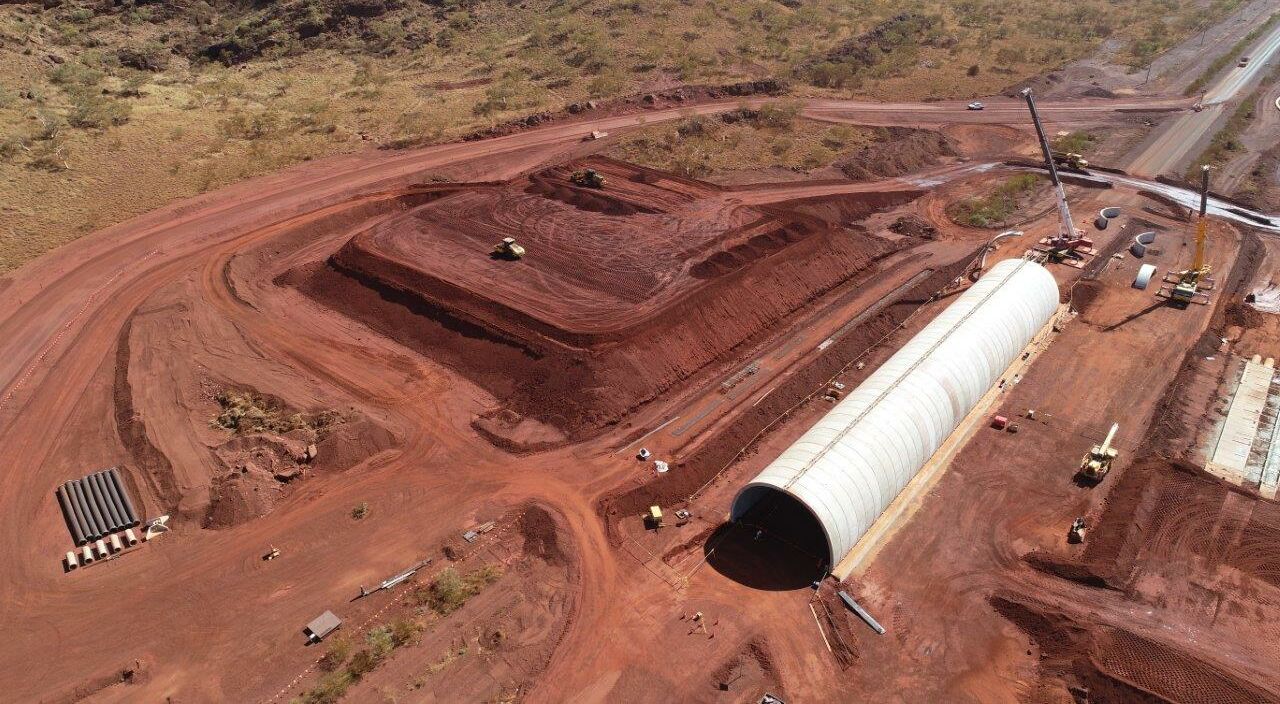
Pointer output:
1106, 444
1068, 229
1201, 225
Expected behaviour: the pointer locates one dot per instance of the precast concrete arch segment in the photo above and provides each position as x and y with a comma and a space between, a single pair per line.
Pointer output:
850, 466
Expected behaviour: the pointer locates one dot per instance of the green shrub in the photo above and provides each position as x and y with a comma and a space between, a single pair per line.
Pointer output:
404, 632
339, 649
995, 208
329, 690
1076, 142
380, 641
11, 147
450, 590
91, 110
363, 663
132, 83
499, 96
51, 155
72, 73
242, 125
778, 113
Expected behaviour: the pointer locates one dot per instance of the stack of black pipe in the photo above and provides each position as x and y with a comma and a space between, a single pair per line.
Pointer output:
96, 506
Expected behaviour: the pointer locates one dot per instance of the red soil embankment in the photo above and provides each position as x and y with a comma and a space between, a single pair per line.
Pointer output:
544, 336
1108, 664
726, 447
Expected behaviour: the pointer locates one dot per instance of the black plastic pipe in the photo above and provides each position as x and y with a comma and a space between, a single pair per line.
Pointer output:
113, 497
77, 493
81, 519
77, 532
108, 508
134, 518
87, 489
100, 503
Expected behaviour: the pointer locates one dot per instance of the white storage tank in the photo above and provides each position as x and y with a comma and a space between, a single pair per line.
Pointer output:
850, 466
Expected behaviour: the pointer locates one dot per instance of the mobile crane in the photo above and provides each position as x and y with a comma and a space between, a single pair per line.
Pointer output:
1070, 245
1193, 285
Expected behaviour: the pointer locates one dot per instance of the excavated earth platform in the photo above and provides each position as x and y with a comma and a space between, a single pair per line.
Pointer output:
624, 291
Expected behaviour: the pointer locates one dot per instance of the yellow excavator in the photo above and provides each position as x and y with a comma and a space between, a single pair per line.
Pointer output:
1097, 463
1191, 284
589, 178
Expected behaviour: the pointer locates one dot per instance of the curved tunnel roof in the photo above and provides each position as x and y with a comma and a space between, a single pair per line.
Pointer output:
850, 466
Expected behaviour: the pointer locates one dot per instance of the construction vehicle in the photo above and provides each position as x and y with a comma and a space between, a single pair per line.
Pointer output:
1069, 246
1070, 160
1097, 463
590, 178
653, 519
508, 249
1192, 285
1075, 535
272, 554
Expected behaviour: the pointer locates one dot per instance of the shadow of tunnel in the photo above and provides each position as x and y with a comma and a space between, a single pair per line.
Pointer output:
775, 543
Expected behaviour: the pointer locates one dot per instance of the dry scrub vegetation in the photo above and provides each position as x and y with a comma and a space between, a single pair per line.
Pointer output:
110, 109
744, 139
447, 593
995, 209
244, 412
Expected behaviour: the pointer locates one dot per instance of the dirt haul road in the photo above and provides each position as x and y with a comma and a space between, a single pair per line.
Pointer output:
112, 347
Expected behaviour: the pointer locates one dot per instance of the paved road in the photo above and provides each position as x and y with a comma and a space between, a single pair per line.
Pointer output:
997, 111
1174, 143
1234, 81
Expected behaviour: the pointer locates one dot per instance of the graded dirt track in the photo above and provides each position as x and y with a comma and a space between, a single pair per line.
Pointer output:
116, 345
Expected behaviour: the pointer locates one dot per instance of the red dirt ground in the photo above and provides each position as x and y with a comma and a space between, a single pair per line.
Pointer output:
602, 314
116, 345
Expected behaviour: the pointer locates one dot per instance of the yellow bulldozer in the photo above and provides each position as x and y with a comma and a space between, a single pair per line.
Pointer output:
508, 249
1097, 463
589, 178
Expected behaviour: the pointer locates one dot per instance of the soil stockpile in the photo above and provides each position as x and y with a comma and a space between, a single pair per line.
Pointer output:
902, 150
623, 292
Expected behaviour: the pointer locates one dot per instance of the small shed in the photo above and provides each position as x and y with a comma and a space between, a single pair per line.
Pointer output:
323, 625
